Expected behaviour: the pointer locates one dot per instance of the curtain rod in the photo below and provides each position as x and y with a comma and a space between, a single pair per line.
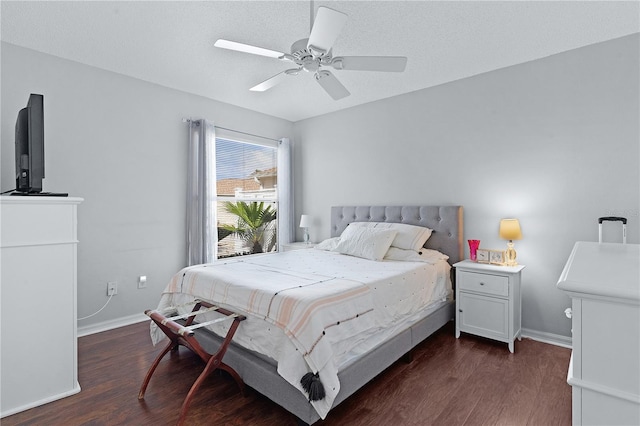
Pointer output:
188, 120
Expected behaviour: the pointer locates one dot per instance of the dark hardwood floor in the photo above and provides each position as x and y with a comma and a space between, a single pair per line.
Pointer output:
450, 381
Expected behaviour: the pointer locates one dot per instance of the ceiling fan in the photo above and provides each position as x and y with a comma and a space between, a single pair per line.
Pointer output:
314, 55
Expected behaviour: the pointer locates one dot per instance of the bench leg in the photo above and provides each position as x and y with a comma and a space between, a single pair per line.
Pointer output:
161, 355
212, 365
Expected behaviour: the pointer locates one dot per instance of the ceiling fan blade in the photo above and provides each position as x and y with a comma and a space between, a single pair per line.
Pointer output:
370, 63
247, 48
331, 85
276, 79
326, 29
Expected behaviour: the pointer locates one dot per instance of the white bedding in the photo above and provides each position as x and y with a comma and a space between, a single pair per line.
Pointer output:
398, 291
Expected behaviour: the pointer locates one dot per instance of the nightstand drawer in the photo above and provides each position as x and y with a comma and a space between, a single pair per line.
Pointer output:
483, 283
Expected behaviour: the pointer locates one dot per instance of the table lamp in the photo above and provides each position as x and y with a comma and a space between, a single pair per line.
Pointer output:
305, 223
510, 230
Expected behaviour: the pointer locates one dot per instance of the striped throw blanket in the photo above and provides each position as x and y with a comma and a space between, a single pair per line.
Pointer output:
307, 307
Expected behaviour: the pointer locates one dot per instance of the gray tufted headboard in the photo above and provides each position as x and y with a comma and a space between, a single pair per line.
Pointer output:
446, 222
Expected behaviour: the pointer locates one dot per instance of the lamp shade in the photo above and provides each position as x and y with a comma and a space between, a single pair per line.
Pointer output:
510, 229
305, 221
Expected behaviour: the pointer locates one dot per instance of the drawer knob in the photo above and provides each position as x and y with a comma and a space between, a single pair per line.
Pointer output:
481, 283
459, 310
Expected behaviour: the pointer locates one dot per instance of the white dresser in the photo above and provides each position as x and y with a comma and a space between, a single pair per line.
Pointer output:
603, 281
38, 301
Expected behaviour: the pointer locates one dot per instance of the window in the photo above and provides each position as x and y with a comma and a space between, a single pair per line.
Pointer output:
240, 163
246, 198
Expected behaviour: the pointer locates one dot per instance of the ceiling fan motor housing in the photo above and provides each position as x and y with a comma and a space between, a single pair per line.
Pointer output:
310, 61
299, 49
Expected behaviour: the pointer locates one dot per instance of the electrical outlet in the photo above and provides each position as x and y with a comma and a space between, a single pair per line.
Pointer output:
112, 288
142, 281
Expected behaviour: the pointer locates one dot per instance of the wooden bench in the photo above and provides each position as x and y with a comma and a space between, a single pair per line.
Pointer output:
184, 335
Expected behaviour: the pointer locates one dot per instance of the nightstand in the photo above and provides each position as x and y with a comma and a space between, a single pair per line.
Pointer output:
488, 301
298, 245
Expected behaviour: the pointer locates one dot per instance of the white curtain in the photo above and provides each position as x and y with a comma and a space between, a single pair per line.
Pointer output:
286, 230
202, 244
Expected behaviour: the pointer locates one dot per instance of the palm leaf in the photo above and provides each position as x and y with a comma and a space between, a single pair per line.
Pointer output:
253, 219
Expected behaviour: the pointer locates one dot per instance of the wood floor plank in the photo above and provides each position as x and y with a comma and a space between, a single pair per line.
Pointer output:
466, 381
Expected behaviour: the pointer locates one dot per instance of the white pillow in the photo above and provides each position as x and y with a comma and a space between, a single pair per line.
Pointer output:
432, 254
424, 255
409, 237
328, 244
368, 243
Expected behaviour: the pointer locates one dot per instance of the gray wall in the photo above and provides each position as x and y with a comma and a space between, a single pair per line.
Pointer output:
120, 144
553, 142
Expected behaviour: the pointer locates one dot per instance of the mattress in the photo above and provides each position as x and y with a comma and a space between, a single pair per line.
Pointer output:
398, 293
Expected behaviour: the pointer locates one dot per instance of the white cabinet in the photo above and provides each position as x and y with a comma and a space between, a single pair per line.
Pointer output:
488, 301
38, 301
603, 281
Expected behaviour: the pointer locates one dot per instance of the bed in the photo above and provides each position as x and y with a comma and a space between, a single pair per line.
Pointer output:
363, 340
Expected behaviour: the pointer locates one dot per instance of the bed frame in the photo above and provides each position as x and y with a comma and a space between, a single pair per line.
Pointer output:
260, 372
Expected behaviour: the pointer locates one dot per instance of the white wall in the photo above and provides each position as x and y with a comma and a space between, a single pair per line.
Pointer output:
119, 143
553, 142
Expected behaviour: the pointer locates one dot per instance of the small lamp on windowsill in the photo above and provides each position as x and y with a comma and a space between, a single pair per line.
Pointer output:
510, 230
305, 223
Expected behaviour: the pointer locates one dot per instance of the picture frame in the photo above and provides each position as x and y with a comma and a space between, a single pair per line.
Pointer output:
482, 255
497, 257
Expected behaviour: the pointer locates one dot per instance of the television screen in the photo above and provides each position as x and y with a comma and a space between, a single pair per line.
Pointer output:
30, 146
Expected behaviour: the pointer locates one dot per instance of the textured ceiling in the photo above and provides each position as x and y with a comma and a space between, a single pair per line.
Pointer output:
171, 43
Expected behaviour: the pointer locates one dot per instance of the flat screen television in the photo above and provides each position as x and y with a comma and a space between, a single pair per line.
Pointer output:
30, 146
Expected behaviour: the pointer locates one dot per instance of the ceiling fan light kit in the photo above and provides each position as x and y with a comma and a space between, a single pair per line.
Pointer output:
313, 53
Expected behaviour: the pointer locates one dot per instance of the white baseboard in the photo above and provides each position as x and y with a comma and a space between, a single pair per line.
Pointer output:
14, 410
550, 338
111, 324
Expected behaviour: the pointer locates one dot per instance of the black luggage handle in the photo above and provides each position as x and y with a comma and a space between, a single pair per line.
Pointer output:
613, 218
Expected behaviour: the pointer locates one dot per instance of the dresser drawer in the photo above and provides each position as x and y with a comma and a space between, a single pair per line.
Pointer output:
483, 283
